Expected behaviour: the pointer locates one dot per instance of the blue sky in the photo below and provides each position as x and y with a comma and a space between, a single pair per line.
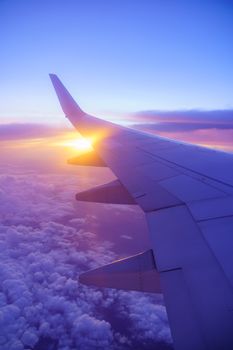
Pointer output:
115, 56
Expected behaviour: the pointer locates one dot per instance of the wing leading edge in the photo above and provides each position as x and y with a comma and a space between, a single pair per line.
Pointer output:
186, 193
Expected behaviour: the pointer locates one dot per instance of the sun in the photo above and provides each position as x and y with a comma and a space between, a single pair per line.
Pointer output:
80, 144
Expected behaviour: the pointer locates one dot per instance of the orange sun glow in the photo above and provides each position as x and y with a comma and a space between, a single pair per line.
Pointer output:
80, 144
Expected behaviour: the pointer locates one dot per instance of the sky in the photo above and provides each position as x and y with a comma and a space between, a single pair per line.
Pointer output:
115, 56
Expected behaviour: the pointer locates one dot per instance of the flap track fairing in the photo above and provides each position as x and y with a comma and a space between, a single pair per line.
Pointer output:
113, 193
136, 272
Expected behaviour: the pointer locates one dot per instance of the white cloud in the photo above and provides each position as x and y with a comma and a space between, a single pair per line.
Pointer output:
44, 245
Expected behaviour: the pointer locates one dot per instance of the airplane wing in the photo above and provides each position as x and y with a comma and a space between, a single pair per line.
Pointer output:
186, 193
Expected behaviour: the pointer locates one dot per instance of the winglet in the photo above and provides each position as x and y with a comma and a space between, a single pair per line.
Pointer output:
68, 104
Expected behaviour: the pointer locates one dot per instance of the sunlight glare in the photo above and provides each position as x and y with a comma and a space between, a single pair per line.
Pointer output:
80, 144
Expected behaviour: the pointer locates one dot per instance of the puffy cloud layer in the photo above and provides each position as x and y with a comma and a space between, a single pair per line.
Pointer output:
44, 245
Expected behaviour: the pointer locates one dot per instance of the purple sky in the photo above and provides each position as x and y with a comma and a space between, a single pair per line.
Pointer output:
115, 56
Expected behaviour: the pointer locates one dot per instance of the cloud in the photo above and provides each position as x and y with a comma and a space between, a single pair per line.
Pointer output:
17, 131
220, 118
208, 128
46, 240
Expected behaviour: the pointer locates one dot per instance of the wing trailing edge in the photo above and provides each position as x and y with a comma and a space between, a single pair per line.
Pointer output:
136, 272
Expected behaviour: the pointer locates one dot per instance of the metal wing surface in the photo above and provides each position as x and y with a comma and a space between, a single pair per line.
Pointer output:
186, 193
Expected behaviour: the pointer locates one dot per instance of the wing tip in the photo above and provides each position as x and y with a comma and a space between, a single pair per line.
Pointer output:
69, 106
53, 76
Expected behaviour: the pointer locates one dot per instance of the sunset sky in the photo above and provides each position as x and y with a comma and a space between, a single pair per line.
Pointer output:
119, 58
